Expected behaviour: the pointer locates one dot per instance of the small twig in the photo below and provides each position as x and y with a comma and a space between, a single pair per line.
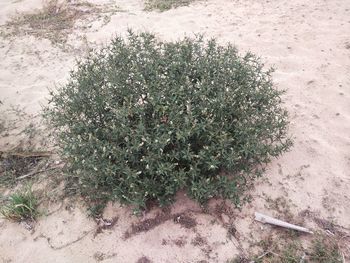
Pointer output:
26, 154
263, 255
65, 245
37, 172
277, 255
329, 232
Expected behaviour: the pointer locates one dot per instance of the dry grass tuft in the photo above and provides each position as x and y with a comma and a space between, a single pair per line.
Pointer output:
55, 20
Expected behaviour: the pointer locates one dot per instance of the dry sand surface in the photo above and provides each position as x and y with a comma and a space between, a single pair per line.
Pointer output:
307, 41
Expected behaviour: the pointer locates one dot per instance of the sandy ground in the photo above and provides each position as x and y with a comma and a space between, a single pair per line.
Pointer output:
307, 41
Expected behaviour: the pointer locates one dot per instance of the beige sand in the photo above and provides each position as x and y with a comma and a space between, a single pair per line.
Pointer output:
308, 41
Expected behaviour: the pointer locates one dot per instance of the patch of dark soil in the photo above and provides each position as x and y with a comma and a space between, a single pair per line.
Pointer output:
144, 260
151, 223
199, 241
166, 210
103, 224
147, 225
154, 204
99, 256
185, 221
150, 204
231, 231
180, 242
202, 242
223, 208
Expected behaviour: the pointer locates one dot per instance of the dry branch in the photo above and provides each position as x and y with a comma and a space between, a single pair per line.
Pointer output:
273, 221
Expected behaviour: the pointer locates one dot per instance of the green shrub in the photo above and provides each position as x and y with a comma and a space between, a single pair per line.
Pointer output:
141, 119
164, 5
21, 206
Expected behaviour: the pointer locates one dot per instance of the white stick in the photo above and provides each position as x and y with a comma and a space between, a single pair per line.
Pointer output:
273, 221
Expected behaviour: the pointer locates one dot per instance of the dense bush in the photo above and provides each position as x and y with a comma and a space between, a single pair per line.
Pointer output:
141, 119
